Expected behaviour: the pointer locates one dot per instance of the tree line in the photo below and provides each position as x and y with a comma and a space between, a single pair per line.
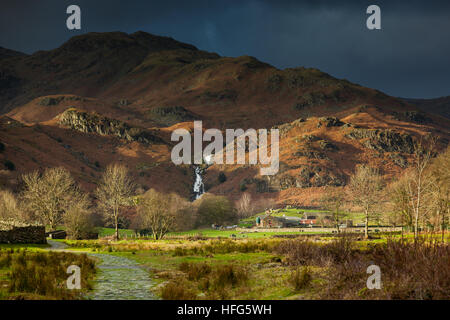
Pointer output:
418, 199
53, 198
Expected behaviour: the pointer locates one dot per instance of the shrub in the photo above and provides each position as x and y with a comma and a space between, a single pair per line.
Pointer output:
216, 282
79, 223
409, 271
9, 165
44, 273
298, 252
177, 291
417, 270
300, 278
302, 251
222, 177
215, 210
229, 275
195, 271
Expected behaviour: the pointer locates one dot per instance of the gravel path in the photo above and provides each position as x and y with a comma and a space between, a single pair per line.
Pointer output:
119, 278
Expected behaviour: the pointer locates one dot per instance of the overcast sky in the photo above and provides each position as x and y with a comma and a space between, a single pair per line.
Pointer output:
408, 57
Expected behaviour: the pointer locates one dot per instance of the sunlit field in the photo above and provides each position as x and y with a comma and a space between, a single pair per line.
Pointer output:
277, 268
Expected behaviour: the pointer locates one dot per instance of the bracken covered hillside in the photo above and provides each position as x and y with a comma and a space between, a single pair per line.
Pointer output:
114, 97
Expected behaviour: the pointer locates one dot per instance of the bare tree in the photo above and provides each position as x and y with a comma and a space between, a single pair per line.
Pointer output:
365, 189
420, 181
114, 192
244, 206
400, 206
333, 201
158, 212
9, 209
48, 196
78, 219
440, 190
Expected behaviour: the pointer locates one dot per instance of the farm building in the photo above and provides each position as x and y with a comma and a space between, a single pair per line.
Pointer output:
269, 221
308, 222
58, 234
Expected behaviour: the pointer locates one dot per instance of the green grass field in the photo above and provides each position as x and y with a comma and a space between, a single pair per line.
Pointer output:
105, 232
357, 217
247, 222
212, 233
218, 267
266, 282
28, 246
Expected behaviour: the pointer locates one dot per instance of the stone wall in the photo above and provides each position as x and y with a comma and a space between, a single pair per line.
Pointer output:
21, 233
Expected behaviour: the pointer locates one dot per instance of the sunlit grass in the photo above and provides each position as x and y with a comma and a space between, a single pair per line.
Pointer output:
36, 274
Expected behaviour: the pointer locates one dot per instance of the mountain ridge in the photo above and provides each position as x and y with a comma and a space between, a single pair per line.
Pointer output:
144, 82
439, 106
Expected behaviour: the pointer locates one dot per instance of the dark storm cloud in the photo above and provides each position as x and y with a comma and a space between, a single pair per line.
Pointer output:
408, 57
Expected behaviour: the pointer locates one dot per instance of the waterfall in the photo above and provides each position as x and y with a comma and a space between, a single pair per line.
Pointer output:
199, 187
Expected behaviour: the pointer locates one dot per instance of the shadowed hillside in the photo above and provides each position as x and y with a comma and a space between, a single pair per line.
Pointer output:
439, 106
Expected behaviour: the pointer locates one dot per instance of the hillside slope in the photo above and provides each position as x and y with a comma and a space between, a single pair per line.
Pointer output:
439, 106
113, 97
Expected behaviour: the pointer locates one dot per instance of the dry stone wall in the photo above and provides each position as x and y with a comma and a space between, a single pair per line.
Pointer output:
21, 233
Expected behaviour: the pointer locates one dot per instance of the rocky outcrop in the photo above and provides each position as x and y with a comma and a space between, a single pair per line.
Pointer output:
314, 148
412, 116
329, 122
94, 123
383, 140
399, 160
262, 185
310, 138
14, 232
309, 176
311, 154
171, 115
316, 176
310, 100
327, 145
286, 127
53, 101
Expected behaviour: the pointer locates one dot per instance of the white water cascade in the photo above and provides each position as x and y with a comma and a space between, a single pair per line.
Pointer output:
199, 187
